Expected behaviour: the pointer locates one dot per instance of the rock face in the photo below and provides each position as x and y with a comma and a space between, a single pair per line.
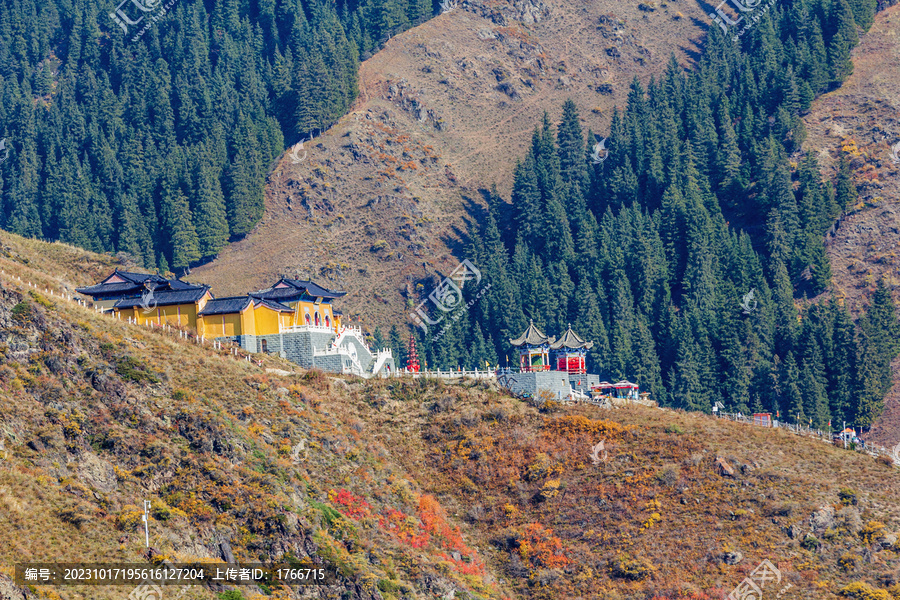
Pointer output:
732, 558
822, 519
9, 590
97, 473
225, 549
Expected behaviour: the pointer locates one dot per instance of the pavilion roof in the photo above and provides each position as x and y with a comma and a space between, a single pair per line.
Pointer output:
571, 341
532, 337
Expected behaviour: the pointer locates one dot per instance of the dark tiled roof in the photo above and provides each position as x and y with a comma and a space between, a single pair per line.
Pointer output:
571, 341
296, 288
177, 284
165, 298
532, 337
273, 305
109, 288
314, 289
277, 294
221, 306
134, 285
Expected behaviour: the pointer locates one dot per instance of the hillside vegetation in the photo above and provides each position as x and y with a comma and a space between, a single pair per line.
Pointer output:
687, 253
409, 488
126, 134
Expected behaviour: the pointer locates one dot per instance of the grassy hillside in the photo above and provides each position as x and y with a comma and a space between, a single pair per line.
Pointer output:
411, 489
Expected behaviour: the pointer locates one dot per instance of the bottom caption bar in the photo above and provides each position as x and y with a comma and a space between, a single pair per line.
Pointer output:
172, 574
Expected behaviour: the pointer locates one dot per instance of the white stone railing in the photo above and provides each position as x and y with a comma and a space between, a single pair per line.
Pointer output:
301, 328
449, 374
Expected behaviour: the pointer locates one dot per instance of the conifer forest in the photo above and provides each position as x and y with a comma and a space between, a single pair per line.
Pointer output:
691, 255
159, 146
157, 143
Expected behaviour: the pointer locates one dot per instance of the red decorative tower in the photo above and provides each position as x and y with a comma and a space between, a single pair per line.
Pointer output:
412, 358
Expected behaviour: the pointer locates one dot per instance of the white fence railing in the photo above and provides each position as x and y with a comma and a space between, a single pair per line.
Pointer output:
828, 437
449, 374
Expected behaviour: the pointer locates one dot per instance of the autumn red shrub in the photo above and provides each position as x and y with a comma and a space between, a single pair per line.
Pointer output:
538, 546
403, 527
355, 508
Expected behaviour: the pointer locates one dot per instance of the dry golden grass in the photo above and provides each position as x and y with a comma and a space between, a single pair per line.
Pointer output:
273, 464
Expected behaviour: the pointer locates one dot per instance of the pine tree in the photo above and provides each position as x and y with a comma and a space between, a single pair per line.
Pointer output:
792, 399
842, 40
872, 370
572, 160
398, 348
210, 214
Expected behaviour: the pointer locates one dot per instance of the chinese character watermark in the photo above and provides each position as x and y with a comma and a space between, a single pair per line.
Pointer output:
447, 6
751, 587
152, 9
724, 20
600, 152
895, 153
750, 303
447, 296
151, 589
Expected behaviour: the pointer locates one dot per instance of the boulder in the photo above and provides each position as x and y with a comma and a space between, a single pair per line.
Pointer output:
822, 519
888, 541
725, 470
9, 590
225, 551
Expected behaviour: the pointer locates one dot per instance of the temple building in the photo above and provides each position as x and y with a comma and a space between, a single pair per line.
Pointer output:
294, 319
311, 303
534, 349
240, 318
570, 352
562, 377
146, 297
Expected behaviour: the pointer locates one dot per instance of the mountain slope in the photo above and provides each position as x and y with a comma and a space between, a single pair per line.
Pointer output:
860, 121
445, 110
412, 489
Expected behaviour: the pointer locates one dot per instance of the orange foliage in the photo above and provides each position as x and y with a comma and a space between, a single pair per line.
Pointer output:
403, 527
433, 527
541, 548
575, 424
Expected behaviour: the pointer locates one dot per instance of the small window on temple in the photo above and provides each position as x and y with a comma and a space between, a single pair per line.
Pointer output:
265, 346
